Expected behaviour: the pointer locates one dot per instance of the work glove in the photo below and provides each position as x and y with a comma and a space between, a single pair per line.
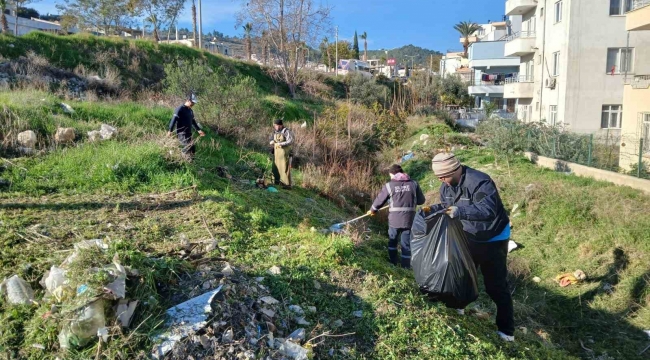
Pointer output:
272, 142
452, 212
169, 134
278, 146
201, 133
426, 209
371, 213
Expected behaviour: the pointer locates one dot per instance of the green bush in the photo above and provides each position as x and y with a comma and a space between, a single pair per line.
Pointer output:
366, 91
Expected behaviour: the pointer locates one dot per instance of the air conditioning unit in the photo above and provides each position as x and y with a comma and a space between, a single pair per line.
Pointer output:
551, 83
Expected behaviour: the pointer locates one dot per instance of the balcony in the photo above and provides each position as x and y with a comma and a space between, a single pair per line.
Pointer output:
639, 82
481, 86
639, 17
520, 43
519, 7
472, 39
519, 87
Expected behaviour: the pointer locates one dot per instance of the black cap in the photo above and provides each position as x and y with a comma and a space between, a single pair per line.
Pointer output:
278, 122
395, 169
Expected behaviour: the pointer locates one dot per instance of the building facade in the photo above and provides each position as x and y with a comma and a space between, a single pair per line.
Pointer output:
635, 129
25, 26
574, 56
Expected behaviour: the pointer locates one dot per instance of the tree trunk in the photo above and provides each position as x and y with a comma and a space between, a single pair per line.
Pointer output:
365, 50
194, 31
4, 23
466, 45
249, 47
155, 34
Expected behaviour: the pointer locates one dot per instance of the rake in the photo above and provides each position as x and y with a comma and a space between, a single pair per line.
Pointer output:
337, 228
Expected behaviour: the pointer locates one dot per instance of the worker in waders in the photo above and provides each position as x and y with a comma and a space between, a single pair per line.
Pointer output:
183, 120
281, 140
404, 195
472, 197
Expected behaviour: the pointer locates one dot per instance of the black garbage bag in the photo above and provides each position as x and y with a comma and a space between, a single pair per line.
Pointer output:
441, 260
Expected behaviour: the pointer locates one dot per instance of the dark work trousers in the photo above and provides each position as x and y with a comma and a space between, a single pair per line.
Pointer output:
189, 149
403, 236
491, 259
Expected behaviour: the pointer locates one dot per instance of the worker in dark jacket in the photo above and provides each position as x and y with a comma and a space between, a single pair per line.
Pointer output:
281, 140
472, 197
184, 121
404, 195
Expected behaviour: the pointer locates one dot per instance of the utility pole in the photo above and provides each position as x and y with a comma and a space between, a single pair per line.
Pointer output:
336, 65
16, 21
176, 32
200, 27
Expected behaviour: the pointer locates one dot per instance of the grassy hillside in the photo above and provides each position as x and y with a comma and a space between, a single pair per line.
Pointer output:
75, 193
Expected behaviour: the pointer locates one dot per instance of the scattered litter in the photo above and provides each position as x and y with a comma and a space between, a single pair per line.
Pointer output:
27, 139
580, 275
275, 271
118, 286
227, 271
227, 336
297, 336
358, 313
317, 285
296, 310
424, 137
293, 350
529, 188
408, 156
86, 244
64, 135
38, 346
267, 312
301, 321
102, 333
537, 279
107, 132
269, 300
337, 323
17, 290
184, 319
83, 325
311, 309
259, 279
124, 312
345, 350
608, 287
94, 135
511, 245
523, 329
304, 125
67, 108
205, 342
271, 189
515, 208
569, 279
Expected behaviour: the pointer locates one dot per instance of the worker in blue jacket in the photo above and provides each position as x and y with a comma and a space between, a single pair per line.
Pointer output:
183, 120
472, 197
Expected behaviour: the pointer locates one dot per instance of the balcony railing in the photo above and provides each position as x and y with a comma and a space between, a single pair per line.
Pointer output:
637, 4
521, 34
638, 81
516, 78
491, 79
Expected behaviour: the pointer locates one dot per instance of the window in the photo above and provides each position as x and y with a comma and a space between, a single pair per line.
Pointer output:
611, 117
556, 63
558, 11
619, 7
541, 12
552, 114
480, 32
646, 132
523, 109
619, 60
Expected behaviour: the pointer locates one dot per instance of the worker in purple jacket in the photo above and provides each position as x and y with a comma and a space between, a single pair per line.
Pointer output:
404, 195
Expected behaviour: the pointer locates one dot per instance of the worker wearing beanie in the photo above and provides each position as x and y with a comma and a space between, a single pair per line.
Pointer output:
281, 140
472, 197
404, 195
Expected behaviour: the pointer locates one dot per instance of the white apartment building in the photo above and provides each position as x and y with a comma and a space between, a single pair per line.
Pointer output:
574, 57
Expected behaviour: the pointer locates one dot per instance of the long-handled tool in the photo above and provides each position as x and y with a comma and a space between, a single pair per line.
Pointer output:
337, 228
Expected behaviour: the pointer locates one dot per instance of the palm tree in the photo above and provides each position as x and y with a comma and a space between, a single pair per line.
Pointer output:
364, 36
466, 28
194, 31
248, 28
3, 18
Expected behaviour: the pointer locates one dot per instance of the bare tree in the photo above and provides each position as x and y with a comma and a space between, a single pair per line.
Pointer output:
105, 15
3, 18
289, 24
160, 13
174, 10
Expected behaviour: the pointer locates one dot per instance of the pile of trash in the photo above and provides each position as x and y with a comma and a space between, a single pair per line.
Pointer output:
231, 316
80, 307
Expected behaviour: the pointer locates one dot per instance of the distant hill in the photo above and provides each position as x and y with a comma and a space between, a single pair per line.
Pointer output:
420, 55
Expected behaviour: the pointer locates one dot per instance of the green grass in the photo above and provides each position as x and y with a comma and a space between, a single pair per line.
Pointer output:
139, 61
69, 194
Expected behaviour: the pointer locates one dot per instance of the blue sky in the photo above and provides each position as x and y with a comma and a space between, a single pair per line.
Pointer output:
389, 23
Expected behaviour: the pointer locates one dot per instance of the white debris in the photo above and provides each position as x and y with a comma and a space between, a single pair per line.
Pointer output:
358, 314
301, 321
67, 108
424, 137
269, 300
317, 285
94, 135
294, 351
83, 326
185, 319
512, 245
107, 132
275, 271
227, 336
27, 139
228, 271
125, 310
18, 291
267, 312
304, 125
64, 135
337, 323
311, 309
297, 336
102, 333
296, 310
537, 279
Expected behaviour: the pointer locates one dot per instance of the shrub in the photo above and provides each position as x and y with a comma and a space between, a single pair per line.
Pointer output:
366, 91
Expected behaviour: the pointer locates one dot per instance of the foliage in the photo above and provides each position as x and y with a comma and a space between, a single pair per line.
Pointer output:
453, 91
364, 37
490, 107
160, 13
420, 56
288, 27
465, 29
355, 46
345, 52
105, 15
367, 91
28, 13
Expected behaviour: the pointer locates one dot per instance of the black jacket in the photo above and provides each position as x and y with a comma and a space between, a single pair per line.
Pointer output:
183, 120
404, 195
479, 205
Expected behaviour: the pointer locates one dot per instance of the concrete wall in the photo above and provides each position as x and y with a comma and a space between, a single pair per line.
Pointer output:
636, 101
27, 25
487, 50
585, 171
